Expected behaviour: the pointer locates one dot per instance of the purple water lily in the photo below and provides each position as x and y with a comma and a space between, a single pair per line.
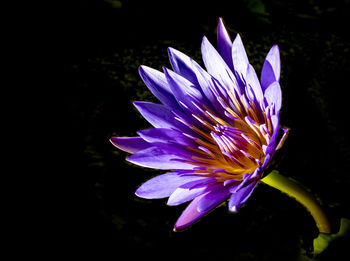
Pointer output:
215, 130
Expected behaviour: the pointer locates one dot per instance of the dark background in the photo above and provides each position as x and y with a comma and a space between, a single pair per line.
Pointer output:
103, 44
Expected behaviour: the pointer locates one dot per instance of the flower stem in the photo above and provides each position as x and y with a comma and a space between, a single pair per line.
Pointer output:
302, 195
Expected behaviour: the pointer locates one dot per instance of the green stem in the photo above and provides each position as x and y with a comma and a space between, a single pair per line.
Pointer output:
302, 195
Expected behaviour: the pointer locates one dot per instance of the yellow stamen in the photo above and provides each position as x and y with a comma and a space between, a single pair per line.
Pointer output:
205, 123
236, 103
202, 133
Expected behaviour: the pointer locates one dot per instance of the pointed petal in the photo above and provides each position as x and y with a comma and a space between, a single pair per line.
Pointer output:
130, 144
267, 75
182, 195
190, 215
273, 94
224, 44
184, 90
275, 124
240, 197
163, 186
203, 181
213, 198
272, 145
246, 180
158, 85
162, 135
253, 81
178, 150
264, 166
209, 90
159, 115
157, 158
192, 71
239, 58
183, 65
272, 68
217, 67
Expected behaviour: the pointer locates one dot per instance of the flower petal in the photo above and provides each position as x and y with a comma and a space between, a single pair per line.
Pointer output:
253, 81
190, 215
272, 68
239, 58
217, 67
176, 149
201, 80
271, 147
158, 85
273, 94
182, 195
238, 198
160, 116
213, 198
267, 75
159, 159
163, 135
163, 186
210, 90
203, 181
183, 65
130, 144
224, 44
184, 90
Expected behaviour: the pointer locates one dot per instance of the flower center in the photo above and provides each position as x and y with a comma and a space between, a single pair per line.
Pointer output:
241, 153
234, 145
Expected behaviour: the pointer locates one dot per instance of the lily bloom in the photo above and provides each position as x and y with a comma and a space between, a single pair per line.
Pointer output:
215, 130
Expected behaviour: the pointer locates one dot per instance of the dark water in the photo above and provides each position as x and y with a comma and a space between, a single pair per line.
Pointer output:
107, 41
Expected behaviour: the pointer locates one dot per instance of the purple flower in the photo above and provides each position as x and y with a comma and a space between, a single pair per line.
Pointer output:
215, 129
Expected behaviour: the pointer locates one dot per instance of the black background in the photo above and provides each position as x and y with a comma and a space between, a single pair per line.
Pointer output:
103, 44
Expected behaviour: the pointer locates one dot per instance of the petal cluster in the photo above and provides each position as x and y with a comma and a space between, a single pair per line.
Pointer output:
215, 129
